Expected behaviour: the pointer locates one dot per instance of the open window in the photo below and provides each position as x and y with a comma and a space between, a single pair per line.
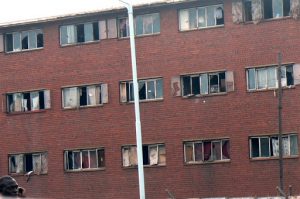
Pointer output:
207, 83
200, 151
83, 96
28, 101
25, 40
201, 17
24, 163
149, 89
84, 159
153, 154
268, 146
266, 77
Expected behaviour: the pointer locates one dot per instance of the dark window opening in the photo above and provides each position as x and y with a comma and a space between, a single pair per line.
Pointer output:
26, 102
196, 85
268, 9
255, 147
289, 75
248, 10
286, 7
80, 33
214, 83
145, 155
9, 42
186, 85
222, 82
83, 96
96, 31
101, 158
42, 100
28, 163
142, 90
24, 42
40, 40
219, 16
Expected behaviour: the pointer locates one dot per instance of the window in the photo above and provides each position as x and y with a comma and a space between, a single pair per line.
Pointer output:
28, 101
83, 96
25, 40
201, 17
23, 163
123, 27
206, 151
149, 89
84, 159
153, 154
80, 33
276, 8
266, 77
147, 24
207, 83
268, 146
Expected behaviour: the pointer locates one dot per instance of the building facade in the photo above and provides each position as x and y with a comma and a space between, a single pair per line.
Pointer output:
208, 100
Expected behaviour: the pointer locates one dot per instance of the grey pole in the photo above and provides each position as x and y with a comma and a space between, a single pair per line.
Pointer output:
136, 101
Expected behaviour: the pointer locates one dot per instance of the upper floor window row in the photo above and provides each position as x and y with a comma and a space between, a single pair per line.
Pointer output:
25, 40
109, 28
28, 101
149, 89
203, 84
144, 25
82, 96
249, 10
201, 17
266, 77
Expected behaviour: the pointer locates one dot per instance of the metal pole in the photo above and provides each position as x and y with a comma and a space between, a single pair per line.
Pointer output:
280, 123
136, 102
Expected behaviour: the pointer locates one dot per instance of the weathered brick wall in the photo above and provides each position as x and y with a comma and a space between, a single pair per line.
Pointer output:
236, 115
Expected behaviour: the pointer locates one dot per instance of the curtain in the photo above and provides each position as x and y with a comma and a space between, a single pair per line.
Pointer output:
71, 34
207, 151
17, 98
198, 151
125, 155
262, 78
91, 95
85, 160
189, 157
216, 150
237, 11
272, 78
17, 41
77, 161
225, 149
19, 163
275, 146
147, 24
70, 97
285, 146
93, 159
153, 155
44, 168
88, 32
133, 156
257, 11
35, 101
184, 19
295, 9
37, 163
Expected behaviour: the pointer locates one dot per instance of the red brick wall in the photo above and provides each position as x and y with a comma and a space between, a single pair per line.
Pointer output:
236, 115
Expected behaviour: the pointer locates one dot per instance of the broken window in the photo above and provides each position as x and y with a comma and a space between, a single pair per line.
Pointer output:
28, 101
123, 28
84, 159
80, 33
266, 77
154, 154
147, 24
268, 146
148, 90
24, 163
207, 83
206, 150
201, 17
24, 40
83, 96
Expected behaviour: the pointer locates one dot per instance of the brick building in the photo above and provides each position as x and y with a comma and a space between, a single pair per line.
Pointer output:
207, 88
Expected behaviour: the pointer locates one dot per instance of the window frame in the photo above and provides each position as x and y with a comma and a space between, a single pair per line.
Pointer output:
147, 158
221, 141
284, 78
80, 151
44, 166
271, 153
197, 17
19, 34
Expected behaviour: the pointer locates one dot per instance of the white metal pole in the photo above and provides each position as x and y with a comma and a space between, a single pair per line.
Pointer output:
136, 102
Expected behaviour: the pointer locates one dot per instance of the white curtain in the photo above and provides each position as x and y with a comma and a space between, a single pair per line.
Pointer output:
184, 19
35, 104
91, 95
125, 155
17, 98
44, 166
133, 156
70, 97
275, 146
19, 163
36, 163
71, 32
153, 155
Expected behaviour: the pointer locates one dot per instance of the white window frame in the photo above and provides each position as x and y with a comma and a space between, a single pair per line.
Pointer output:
197, 17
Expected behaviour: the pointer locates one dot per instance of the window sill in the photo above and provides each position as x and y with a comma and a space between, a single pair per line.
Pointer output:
145, 166
84, 170
205, 95
268, 20
273, 158
144, 101
207, 162
24, 50
80, 44
22, 174
271, 89
145, 35
205, 28
26, 112
81, 107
